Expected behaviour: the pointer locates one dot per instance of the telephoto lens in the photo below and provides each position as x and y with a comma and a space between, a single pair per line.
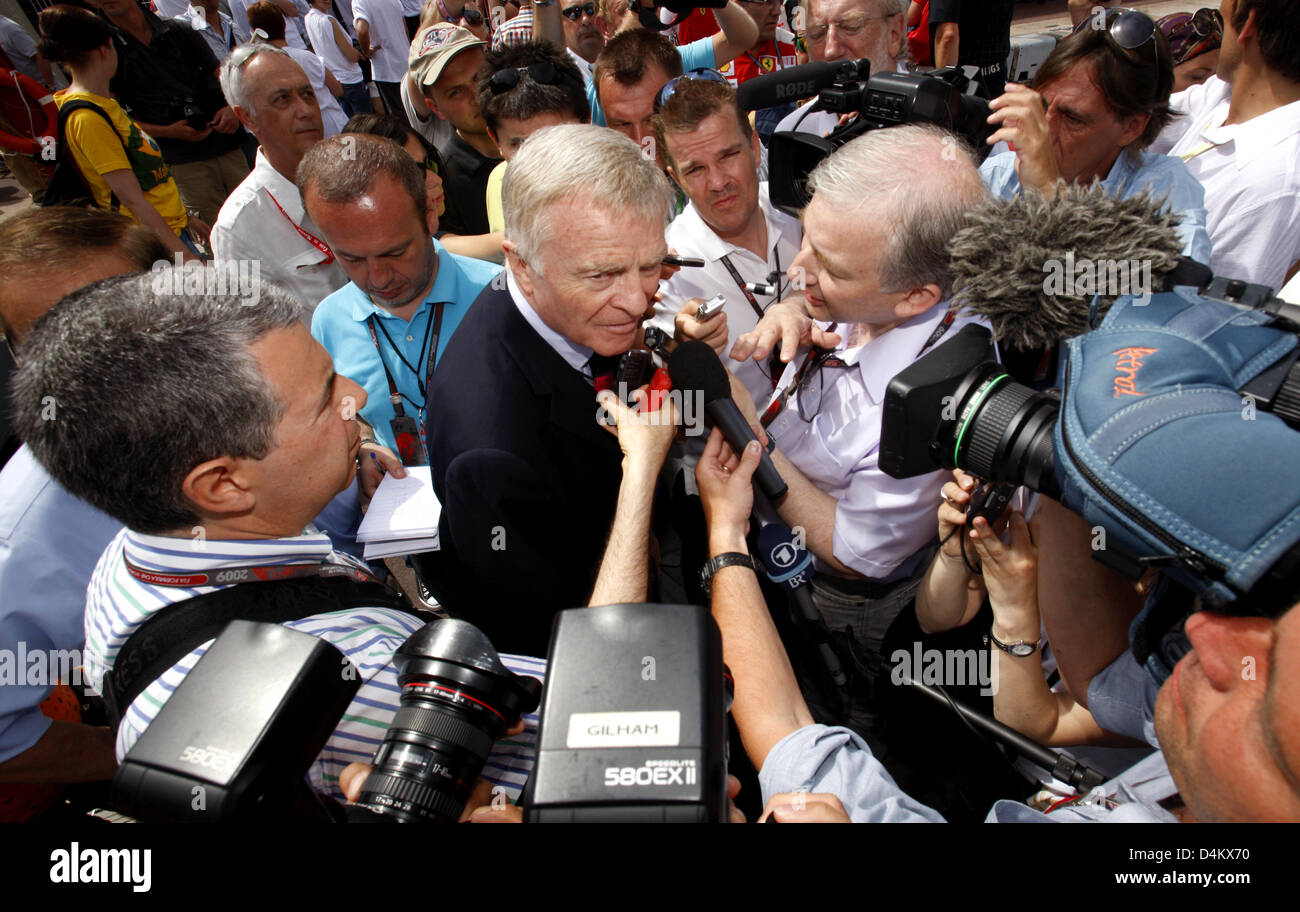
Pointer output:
457, 698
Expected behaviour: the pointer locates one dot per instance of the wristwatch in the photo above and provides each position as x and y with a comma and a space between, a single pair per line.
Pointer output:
1020, 649
726, 559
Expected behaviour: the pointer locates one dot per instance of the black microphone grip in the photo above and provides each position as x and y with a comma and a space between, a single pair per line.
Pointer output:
726, 417
803, 602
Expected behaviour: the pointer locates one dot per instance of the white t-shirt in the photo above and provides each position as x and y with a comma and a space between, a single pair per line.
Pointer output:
320, 30
388, 33
331, 114
1251, 175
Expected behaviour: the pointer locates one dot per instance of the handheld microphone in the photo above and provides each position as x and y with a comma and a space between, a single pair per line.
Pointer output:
789, 565
796, 82
695, 367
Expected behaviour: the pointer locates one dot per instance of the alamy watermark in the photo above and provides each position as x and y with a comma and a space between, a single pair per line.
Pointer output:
1111, 278
944, 667
23, 667
235, 278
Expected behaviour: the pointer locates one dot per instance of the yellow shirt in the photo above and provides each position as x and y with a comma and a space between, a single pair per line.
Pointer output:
495, 214
97, 151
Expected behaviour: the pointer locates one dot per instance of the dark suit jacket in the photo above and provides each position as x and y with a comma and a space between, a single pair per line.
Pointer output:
527, 479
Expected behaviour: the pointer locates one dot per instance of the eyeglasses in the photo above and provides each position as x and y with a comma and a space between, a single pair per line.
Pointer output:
544, 73
1126, 29
817, 31
575, 13
670, 87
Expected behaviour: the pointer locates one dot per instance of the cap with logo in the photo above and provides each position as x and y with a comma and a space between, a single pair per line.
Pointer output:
434, 47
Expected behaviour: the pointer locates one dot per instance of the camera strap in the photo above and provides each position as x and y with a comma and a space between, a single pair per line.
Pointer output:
177, 630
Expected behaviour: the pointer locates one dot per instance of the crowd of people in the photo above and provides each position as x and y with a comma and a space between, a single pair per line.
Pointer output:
330, 242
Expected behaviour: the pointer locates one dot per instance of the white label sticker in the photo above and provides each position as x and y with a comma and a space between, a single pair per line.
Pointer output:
624, 729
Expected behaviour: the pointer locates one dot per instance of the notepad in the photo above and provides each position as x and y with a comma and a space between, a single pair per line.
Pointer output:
403, 516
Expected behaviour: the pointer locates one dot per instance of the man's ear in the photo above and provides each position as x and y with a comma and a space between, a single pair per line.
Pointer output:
917, 301
493, 136
244, 117
218, 487
897, 29
1134, 124
428, 99
519, 268
756, 148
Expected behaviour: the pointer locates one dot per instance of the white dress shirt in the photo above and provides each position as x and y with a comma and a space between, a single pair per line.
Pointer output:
251, 226
584, 67
691, 236
574, 354
1251, 174
880, 521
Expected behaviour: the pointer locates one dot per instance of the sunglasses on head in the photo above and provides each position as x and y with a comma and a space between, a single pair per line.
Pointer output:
470, 15
574, 13
541, 73
670, 87
1126, 29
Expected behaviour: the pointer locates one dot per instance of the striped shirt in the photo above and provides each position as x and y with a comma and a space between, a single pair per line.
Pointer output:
117, 604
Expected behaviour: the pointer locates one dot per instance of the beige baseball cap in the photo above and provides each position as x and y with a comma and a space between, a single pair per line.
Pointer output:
434, 47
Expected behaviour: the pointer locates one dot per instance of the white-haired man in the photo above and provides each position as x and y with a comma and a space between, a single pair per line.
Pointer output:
527, 478
264, 219
849, 30
874, 271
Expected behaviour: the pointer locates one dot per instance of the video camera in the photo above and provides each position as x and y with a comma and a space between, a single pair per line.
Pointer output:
1174, 430
879, 100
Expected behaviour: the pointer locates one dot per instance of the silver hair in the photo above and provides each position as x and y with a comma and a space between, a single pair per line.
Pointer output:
595, 164
919, 180
232, 72
125, 386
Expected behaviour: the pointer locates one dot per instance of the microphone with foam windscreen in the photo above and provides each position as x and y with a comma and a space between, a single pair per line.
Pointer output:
1004, 262
796, 82
696, 369
789, 565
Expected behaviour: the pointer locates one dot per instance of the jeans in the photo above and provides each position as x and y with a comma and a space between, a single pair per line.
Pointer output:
355, 99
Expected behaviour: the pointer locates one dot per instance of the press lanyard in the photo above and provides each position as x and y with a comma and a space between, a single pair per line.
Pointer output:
779, 403
251, 573
740, 282
429, 356
307, 235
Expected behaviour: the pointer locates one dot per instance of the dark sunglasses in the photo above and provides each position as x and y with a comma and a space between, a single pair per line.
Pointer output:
574, 13
1207, 22
543, 73
470, 15
1126, 29
670, 87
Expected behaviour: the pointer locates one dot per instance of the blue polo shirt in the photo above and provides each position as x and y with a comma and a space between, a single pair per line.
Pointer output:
339, 324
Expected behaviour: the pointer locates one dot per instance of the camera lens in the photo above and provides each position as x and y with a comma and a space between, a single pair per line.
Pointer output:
457, 698
1004, 433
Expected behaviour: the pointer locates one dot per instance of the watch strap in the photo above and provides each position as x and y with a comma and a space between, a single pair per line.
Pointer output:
726, 559
1020, 648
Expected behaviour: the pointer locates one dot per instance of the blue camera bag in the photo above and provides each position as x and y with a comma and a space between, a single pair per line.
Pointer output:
1157, 447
